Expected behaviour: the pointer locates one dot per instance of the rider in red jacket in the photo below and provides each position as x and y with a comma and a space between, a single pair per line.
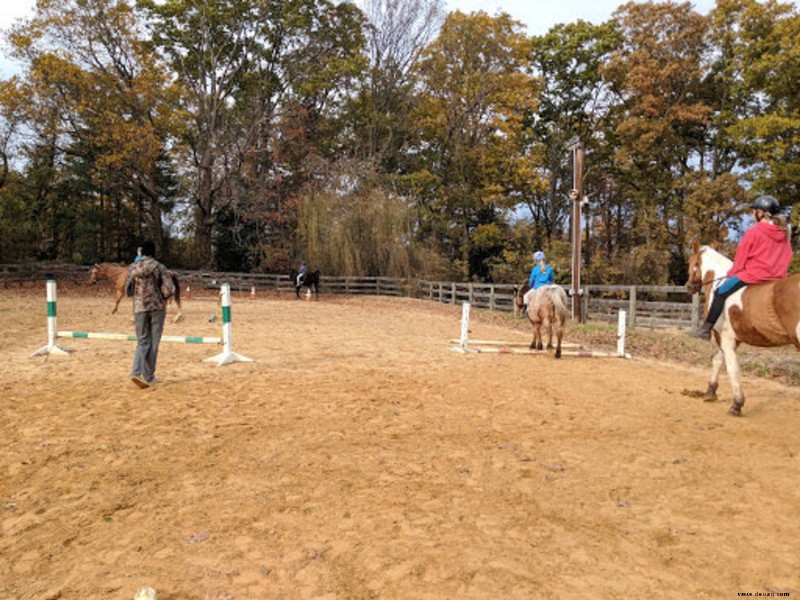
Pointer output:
763, 254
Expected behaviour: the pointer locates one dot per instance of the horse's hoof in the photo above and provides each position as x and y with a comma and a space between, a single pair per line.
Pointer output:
735, 412
708, 398
558, 353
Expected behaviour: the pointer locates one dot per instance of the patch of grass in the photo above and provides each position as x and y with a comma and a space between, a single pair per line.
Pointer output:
780, 364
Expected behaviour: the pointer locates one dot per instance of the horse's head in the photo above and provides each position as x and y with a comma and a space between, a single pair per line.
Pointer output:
519, 298
695, 282
93, 273
706, 266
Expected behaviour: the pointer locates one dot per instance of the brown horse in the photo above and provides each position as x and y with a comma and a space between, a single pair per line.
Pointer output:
118, 275
764, 314
547, 306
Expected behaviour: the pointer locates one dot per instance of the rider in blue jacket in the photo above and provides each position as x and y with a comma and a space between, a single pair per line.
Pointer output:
541, 274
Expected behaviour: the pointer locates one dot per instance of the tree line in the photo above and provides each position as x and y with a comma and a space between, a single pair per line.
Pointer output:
391, 138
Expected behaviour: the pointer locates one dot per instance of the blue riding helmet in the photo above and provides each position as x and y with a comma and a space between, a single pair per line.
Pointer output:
538, 255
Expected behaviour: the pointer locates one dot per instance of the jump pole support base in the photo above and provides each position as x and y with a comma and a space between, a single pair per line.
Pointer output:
54, 349
52, 346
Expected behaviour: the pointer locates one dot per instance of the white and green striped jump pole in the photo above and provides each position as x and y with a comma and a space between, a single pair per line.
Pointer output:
228, 355
130, 337
52, 329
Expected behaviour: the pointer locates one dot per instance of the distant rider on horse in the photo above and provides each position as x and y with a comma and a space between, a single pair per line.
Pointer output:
301, 274
541, 275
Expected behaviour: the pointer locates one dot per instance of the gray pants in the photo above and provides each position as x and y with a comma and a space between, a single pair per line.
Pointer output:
149, 327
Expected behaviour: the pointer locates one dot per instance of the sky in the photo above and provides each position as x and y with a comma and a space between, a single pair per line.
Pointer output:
540, 15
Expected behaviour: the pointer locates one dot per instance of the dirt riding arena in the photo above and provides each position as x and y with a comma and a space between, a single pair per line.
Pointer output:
358, 457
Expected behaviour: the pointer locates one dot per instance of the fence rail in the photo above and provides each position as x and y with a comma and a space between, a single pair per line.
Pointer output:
647, 306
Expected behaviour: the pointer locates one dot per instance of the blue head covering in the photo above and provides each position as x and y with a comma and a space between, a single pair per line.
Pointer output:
538, 255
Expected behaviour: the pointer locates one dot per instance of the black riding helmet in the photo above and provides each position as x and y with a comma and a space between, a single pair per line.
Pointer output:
767, 204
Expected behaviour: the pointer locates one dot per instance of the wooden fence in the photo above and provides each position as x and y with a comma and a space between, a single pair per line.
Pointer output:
647, 306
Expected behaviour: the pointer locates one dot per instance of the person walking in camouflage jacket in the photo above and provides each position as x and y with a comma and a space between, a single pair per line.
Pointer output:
150, 310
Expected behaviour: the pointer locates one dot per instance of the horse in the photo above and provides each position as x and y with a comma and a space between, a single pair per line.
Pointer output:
763, 314
546, 306
308, 280
118, 275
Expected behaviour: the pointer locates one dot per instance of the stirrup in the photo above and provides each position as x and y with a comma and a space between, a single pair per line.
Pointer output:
702, 332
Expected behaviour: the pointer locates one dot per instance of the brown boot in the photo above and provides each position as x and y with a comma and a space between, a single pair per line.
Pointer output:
703, 332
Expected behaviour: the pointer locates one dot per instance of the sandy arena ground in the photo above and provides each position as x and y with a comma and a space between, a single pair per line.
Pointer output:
358, 457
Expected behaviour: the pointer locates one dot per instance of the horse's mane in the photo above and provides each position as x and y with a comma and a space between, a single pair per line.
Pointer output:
716, 259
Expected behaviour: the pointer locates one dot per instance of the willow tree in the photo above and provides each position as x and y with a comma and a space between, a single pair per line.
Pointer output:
472, 140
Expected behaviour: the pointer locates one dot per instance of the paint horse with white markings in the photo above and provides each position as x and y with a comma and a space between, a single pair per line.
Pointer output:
763, 314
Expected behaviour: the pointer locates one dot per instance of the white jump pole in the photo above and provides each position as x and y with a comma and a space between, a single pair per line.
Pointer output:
621, 324
508, 344
228, 355
462, 341
52, 328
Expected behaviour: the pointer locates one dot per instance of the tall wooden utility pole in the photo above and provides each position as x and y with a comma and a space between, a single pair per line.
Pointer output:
576, 195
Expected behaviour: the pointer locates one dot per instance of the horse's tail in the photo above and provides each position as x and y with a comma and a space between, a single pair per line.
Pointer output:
559, 298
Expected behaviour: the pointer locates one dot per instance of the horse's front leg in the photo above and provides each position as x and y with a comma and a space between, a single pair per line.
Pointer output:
713, 380
728, 347
120, 294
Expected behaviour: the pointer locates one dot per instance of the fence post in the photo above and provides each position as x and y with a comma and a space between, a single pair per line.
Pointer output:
585, 304
471, 293
695, 310
491, 297
632, 308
